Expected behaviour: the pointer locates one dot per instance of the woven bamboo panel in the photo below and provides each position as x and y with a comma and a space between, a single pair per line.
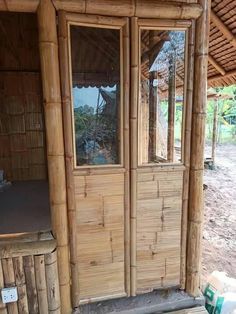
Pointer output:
22, 127
22, 143
100, 225
159, 204
35, 276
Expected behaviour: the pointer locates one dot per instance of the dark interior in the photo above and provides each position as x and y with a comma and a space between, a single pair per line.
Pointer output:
24, 196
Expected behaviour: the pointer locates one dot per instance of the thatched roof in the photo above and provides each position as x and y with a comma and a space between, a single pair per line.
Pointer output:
222, 45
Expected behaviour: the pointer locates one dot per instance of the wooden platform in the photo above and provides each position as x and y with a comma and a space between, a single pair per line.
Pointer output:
195, 310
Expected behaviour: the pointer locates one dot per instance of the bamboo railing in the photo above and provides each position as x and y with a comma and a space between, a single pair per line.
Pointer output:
33, 272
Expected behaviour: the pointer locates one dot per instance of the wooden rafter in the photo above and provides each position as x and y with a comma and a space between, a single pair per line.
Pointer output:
218, 77
216, 65
223, 28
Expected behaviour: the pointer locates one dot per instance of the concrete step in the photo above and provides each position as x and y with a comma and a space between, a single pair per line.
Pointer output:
155, 302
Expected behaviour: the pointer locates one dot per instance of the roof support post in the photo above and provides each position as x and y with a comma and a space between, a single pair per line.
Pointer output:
48, 46
196, 201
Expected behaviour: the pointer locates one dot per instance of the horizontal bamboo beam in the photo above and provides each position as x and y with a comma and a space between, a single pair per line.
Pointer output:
218, 77
223, 28
216, 65
139, 8
17, 249
19, 5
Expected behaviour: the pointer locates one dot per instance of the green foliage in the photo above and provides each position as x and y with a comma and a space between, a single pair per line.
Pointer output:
226, 114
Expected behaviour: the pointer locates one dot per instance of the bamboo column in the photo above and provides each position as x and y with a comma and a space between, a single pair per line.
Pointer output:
55, 147
214, 131
171, 111
189, 70
134, 148
195, 215
69, 155
126, 99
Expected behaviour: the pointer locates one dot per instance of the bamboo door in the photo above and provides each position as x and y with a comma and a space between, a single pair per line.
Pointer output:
94, 57
158, 78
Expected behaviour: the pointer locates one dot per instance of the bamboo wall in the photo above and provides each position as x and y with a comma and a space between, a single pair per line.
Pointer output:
100, 227
21, 111
159, 207
31, 266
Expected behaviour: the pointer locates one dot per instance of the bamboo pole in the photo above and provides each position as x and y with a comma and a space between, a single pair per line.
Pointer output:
3, 307
195, 217
21, 285
55, 147
189, 70
214, 131
53, 293
126, 84
129, 8
41, 286
68, 142
32, 297
171, 111
134, 146
153, 114
19, 6
9, 281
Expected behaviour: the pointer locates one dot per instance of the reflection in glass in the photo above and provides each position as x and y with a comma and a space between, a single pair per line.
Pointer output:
161, 95
95, 55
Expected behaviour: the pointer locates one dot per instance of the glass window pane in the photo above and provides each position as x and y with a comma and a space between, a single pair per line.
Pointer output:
161, 95
95, 58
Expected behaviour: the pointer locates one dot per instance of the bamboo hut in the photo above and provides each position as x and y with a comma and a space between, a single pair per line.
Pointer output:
102, 115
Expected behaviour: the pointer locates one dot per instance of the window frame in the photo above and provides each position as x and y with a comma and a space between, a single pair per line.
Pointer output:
106, 23
171, 25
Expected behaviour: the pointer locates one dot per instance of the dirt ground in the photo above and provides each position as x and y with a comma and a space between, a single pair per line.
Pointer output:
219, 235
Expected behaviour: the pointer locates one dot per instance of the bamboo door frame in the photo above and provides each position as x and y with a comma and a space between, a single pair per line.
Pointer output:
122, 24
161, 24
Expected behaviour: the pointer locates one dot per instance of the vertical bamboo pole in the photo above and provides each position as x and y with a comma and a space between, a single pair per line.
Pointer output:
55, 147
21, 285
9, 280
214, 131
53, 294
41, 283
126, 84
152, 150
3, 307
171, 111
186, 143
32, 296
134, 146
68, 142
195, 217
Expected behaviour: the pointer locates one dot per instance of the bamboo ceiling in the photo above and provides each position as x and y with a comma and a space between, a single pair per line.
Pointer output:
222, 46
